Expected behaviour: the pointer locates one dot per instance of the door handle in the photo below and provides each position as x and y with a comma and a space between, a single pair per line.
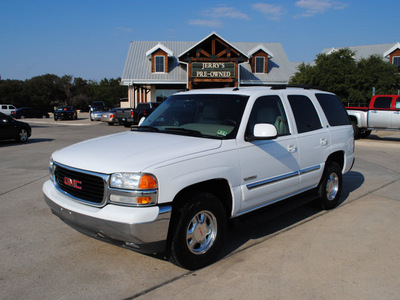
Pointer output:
292, 148
323, 142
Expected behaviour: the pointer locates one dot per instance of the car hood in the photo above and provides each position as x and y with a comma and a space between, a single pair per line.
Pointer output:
131, 151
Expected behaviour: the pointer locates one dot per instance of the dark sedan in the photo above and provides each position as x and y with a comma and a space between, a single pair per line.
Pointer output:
29, 112
11, 129
65, 112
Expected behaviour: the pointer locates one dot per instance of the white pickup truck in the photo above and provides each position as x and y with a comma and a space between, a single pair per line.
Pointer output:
383, 113
200, 159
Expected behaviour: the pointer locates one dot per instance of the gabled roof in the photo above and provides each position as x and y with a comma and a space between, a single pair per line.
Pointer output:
365, 51
262, 48
394, 48
206, 38
162, 47
137, 68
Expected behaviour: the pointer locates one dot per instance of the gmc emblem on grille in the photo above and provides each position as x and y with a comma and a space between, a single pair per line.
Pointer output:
73, 183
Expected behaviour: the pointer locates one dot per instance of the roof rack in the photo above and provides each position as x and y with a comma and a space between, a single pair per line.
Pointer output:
301, 86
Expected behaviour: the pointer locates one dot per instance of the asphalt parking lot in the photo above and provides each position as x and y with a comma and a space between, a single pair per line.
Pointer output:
351, 252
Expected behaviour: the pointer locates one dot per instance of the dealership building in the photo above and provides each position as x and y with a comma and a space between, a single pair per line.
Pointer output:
155, 70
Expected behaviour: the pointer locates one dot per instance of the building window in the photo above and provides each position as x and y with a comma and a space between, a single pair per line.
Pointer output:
160, 65
396, 62
260, 64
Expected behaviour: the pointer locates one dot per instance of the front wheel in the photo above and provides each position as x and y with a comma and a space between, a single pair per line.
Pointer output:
199, 233
330, 187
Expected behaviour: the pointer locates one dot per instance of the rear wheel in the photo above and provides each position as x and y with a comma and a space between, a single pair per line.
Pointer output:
199, 233
365, 133
22, 135
356, 130
330, 187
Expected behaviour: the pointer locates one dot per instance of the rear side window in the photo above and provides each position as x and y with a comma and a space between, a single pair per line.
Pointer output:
304, 113
383, 102
333, 109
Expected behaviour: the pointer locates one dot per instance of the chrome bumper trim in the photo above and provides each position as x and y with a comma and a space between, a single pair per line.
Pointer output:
147, 237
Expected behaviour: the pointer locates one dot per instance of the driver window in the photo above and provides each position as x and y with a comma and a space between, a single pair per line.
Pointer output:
268, 109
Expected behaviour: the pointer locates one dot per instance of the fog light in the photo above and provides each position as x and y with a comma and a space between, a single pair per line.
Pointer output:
144, 200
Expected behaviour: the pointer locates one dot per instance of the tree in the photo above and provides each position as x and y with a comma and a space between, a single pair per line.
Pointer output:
49, 90
352, 81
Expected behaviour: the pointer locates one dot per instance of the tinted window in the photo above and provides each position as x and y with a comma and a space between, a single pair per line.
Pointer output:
398, 103
383, 102
333, 109
304, 113
268, 109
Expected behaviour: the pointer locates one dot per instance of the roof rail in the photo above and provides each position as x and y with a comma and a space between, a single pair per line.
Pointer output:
301, 86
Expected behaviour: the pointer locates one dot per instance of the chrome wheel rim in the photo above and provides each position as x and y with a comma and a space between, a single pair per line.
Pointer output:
332, 186
201, 232
23, 135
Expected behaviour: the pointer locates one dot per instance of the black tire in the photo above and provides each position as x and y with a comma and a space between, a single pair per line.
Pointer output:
356, 130
365, 133
110, 123
191, 246
330, 187
22, 136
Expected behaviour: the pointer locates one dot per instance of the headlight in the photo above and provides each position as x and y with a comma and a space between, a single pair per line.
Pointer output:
51, 169
133, 189
133, 181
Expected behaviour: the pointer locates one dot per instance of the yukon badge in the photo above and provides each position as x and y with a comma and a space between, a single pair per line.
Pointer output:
76, 184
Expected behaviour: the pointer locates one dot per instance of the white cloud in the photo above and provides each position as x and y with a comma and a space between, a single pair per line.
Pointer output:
271, 11
313, 7
213, 17
206, 23
225, 12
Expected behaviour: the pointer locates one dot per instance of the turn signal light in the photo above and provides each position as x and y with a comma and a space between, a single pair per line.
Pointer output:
147, 182
144, 200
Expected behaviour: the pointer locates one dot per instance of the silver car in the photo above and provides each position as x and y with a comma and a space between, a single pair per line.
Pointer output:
95, 114
110, 117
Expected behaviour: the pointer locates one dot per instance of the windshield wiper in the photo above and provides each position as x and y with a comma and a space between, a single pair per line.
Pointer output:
145, 128
184, 131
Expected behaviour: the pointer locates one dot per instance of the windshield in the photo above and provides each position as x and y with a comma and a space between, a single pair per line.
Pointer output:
211, 116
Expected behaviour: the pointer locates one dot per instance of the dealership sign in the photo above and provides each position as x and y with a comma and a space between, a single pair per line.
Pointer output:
213, 70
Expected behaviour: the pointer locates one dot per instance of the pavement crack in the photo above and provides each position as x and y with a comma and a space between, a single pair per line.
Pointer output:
18, 187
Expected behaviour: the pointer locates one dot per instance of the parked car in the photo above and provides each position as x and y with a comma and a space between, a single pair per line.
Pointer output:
29, 112
65, 112
96, 113
110, 117
201, 158
11, 129
383, 113
132, 116
7, 109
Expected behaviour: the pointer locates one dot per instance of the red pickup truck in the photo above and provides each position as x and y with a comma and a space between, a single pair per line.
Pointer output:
383, 113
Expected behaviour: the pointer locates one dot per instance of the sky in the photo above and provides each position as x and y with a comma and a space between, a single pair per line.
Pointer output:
90, 38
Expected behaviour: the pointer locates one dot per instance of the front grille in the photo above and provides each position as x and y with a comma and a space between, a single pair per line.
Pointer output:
83, 186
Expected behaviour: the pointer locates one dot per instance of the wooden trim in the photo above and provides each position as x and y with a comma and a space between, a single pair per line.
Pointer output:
153, 61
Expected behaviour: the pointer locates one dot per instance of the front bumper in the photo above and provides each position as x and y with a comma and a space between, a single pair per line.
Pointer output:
144, 229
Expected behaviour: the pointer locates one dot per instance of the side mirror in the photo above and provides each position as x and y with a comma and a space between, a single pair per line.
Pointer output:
141, 121
263, 132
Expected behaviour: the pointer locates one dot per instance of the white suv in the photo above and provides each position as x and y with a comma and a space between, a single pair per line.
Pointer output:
201, 158
7, 109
